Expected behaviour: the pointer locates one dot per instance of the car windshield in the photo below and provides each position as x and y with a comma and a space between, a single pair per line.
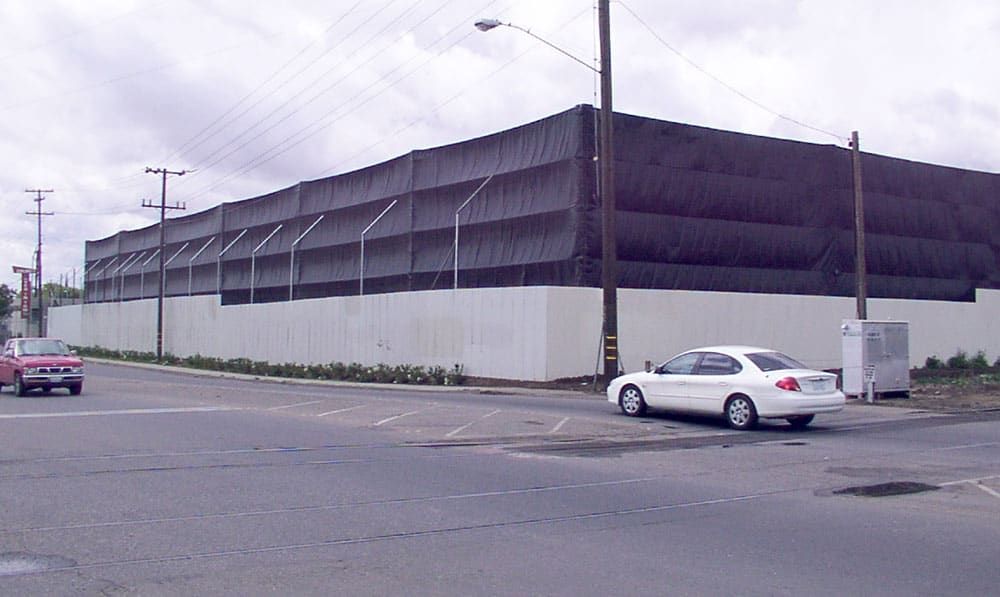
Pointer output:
41, 347
774, 361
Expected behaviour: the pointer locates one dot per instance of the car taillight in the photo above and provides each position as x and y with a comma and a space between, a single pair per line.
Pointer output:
789, 384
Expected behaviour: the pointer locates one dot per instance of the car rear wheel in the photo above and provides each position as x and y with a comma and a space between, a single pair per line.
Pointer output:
800, 421
75, 389
19, 389
632, 402
741, 413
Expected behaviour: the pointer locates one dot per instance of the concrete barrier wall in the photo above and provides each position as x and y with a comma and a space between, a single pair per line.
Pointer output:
533, 333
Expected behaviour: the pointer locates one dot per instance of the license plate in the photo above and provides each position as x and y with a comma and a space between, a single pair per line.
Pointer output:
819, 385
55, 379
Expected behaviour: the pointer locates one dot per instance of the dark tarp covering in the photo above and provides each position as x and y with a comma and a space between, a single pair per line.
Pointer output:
698, 209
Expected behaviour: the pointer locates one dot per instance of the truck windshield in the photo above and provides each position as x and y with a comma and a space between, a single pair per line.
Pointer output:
41, 347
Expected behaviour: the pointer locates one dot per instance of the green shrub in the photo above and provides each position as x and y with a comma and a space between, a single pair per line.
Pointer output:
979, 362
380, 373
959, 361
933, 362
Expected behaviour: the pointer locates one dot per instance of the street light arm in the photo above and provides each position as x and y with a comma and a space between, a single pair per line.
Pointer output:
487, 24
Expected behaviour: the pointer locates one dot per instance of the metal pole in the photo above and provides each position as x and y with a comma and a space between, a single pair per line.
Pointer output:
363, 233
860, 265
457, 212
124, 267
142, 274
218, 264
609, 250
193, 257
253, 258
291, 264
169, 261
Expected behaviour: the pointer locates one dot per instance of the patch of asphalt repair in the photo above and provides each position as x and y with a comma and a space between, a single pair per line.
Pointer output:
887, 489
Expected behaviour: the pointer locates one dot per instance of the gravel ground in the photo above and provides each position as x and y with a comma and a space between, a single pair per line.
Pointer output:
955, 395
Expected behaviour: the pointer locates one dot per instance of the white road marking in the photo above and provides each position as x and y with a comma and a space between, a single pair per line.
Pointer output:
559, 425
975, 480
988, 490
393, 418
340, 410
129, 411
466, 426
294, 405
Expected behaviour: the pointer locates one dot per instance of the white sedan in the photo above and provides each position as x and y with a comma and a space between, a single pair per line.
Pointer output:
742, 383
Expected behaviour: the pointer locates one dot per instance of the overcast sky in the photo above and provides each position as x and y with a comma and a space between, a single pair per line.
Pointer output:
256, 96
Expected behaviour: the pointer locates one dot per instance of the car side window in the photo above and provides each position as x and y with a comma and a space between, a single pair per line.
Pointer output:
714, 363
682, 365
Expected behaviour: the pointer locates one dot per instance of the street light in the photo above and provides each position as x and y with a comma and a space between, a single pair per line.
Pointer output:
605, 156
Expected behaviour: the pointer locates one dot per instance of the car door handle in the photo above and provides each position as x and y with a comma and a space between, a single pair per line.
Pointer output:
723, 384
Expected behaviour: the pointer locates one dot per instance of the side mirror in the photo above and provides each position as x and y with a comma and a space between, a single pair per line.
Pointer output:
659, 370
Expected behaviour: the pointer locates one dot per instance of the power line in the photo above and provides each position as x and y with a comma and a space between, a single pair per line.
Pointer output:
332, 116
187, 145
732, 89
318, 95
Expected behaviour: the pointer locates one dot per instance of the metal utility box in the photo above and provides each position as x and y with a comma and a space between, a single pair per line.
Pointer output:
879, 350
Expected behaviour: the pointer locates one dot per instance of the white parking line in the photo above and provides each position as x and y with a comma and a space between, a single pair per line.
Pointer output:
390, 419
129, 411
466, 426
340, 410
559, 425
977, 482
294, 405
974, 480
988, 490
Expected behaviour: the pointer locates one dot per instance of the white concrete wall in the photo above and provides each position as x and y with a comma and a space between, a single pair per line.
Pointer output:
534, 333
656, 324
67, 321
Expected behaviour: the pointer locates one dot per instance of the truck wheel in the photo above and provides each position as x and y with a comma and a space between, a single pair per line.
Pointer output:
19, 389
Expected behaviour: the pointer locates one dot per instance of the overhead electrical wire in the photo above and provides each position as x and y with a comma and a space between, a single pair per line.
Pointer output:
201, 136
262, 157
315, 97
702, 70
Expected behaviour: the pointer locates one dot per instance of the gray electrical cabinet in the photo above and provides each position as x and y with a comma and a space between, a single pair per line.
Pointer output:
877, 350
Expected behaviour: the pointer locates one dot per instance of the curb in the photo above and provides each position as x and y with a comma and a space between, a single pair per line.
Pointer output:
505, 390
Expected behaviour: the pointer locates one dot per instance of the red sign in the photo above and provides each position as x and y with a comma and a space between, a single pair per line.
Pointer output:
25, 295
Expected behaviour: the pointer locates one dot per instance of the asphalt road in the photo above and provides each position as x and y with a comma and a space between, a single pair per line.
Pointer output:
157, 483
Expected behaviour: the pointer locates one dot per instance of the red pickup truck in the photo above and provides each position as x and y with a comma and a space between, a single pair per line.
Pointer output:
45, 363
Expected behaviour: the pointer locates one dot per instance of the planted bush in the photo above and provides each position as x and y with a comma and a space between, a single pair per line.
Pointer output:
380, 373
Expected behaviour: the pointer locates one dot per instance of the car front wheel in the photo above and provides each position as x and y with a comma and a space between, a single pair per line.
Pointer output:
741, 414
632, 402
75, 389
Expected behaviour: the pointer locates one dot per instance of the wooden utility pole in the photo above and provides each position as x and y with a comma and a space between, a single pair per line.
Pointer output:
860, 266
38, 254
163, 207
606, 163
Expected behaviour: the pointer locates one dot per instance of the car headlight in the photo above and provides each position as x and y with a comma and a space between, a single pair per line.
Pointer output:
78, 369
31, 370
